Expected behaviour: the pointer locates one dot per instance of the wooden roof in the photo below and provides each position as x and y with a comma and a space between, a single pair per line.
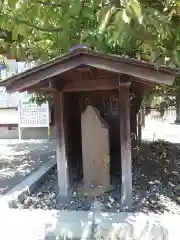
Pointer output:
144, 71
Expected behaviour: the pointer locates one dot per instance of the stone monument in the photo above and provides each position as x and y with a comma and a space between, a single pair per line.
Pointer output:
95, 151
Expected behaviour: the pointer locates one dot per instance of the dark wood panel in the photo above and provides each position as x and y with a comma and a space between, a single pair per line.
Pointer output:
90, 85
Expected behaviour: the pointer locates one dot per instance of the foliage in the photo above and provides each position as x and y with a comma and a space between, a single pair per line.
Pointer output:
42, 29
40, 99
3, 60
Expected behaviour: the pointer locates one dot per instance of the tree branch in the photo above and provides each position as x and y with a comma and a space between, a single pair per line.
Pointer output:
50, 4
40, 28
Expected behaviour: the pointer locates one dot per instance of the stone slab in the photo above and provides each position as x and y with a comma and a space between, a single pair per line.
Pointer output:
95, 150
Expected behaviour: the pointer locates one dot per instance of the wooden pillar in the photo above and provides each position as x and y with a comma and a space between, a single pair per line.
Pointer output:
125, 146
62, 167
139, 127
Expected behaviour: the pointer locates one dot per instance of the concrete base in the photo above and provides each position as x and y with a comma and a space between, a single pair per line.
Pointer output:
52, 225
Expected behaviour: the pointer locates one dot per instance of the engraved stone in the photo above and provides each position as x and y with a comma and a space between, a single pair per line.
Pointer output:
95, 151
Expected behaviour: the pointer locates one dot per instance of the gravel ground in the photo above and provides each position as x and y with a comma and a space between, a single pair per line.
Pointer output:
156, 184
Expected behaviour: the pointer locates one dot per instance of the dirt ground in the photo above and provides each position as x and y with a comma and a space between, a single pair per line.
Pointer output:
156, 185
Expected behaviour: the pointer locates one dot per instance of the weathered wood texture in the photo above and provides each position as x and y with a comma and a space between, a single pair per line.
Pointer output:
90, 85
125, 146
107, 103
73, 135
95, 150
62, 166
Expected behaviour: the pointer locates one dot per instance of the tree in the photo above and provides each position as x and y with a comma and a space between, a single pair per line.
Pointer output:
42, 29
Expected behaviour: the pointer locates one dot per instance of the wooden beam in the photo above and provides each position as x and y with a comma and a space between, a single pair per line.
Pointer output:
78, 86
90, 85
144, 74
41, 89
62, 166
37, 77
125, 146
46, 86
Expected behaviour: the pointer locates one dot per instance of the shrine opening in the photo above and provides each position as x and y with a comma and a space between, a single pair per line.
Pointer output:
96, 99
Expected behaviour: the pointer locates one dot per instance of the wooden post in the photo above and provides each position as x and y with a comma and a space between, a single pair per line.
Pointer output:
62, 168
125, 146
139, 127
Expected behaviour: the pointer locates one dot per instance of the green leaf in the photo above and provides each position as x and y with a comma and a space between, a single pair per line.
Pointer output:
118, 25
75, 9
108, 12
12, 3
23, 29
84, 35
125, 17
15, 33
102, 13
136, 9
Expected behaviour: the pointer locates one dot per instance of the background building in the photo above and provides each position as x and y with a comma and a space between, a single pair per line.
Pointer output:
9, 107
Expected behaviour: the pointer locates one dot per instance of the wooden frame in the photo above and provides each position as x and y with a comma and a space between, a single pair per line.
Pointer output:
125, 146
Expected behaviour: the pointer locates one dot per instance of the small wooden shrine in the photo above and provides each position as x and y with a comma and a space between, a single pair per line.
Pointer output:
111, 84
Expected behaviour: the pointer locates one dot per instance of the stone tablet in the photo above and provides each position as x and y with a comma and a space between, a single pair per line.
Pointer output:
95, 150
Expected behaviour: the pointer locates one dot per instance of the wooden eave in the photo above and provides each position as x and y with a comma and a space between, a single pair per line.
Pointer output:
143, 71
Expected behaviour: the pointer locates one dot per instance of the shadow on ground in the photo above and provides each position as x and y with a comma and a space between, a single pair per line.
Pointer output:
19, 158
156, 179
106, 226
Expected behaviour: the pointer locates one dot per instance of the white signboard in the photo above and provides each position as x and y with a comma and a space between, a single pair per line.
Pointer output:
32, 115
